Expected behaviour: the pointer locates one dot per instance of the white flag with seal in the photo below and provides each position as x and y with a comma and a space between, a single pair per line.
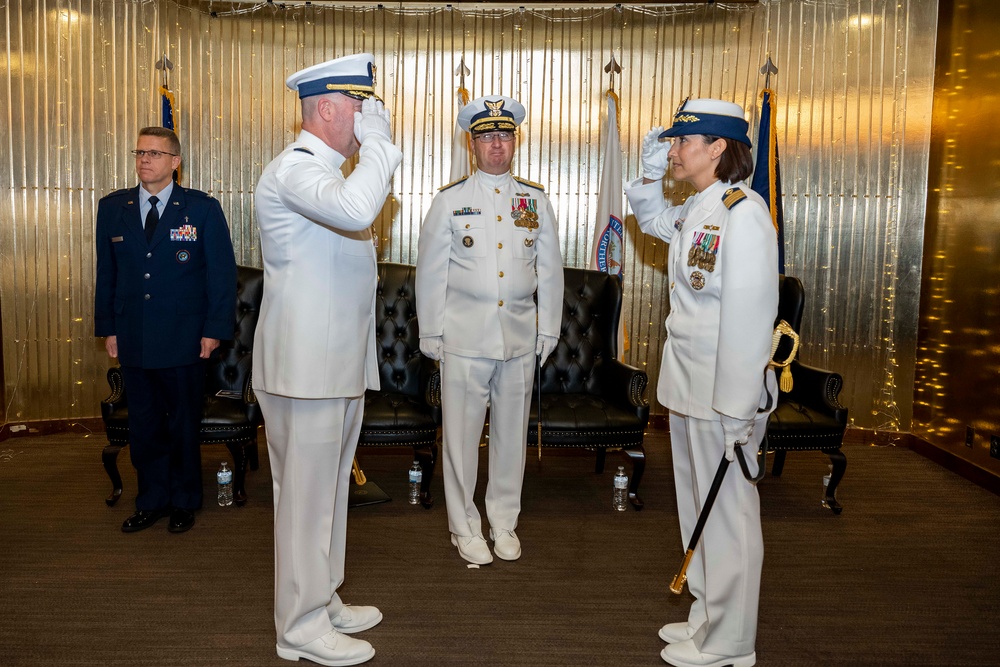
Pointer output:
609, 232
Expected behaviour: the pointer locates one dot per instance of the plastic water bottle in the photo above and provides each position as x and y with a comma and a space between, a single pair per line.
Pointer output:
620, 500
416, 475
225, 477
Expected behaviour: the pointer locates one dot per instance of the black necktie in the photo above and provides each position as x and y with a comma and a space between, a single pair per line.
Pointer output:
152, 218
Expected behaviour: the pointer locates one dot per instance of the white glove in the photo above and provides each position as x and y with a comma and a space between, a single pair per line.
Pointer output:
737, 432
544, 346
432, 347
654, 155
372, 121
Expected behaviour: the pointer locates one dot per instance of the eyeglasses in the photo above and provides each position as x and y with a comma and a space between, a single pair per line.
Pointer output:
489, 137
153, 154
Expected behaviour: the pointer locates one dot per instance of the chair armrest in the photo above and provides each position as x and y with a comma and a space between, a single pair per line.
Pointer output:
430, 381
624, 385
432, 392
818, 389
250, 404
116, 400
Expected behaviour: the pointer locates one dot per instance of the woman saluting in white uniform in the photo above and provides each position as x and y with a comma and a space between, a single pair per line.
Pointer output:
714, 377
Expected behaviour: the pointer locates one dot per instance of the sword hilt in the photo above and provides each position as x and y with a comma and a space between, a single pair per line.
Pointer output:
677, 585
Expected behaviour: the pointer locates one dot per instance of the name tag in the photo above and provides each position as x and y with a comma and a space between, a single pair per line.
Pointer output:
117, 239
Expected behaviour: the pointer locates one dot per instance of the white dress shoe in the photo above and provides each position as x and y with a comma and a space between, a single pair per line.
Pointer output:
473, 549
673, 633
686, 654
332, 649
505, 544
356, 618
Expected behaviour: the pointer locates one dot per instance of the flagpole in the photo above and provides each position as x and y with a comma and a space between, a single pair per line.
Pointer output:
461, 163
766, 179
609, 230
167, 102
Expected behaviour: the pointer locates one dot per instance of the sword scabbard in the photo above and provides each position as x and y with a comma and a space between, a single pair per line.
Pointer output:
677, 585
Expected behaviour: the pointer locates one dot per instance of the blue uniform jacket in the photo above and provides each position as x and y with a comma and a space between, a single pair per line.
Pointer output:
162, 297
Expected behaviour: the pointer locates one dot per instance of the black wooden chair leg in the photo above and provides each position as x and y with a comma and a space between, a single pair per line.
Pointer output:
839, 466
238, 451
779, 462
110, 458
638, 458
601, 455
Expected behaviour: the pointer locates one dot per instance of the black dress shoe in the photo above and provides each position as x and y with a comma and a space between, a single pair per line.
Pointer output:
180, 520
141, 520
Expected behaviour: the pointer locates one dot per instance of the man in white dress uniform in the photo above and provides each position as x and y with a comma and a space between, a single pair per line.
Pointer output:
714, 377
487, 245
314, 352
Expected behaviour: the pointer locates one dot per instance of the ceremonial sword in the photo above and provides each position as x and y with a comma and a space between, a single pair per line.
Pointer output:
677, 585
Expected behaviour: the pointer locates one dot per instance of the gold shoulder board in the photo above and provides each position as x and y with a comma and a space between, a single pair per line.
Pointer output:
732, 197
453, 183
537, 186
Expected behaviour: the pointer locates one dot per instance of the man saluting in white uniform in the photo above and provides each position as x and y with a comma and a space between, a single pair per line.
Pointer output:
314, 352
487, 245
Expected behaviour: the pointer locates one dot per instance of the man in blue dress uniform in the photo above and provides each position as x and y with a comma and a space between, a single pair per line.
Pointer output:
165, 297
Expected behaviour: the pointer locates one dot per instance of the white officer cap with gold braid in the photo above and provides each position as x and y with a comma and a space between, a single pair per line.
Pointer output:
353, 76
491, 113
712, 117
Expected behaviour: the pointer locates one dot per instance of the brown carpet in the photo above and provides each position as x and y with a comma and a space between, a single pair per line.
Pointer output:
907, 575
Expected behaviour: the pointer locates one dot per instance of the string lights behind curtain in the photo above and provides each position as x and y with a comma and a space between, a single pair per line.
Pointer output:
854, 100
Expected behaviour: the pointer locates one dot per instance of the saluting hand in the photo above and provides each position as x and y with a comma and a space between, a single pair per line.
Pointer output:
372, 121
654, 157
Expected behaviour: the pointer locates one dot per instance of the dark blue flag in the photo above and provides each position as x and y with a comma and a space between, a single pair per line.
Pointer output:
167, 101
767, 173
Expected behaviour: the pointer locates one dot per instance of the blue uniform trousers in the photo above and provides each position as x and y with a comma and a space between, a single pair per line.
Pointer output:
164, 417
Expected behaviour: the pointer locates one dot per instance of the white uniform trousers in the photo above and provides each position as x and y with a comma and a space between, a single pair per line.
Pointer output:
724, 573
311, 443
466, 385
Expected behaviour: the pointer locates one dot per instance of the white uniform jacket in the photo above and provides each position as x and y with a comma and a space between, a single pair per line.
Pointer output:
718, 341
478, 266
316, 333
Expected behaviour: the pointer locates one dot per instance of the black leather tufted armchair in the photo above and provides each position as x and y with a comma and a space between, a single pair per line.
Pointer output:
231, 413
406, 411
589, 398
809, 417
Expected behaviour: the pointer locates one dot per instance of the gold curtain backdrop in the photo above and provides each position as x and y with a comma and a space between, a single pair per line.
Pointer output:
854, 95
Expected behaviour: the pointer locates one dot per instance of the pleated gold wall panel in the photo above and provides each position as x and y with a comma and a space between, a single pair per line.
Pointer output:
854, 99
958, 360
